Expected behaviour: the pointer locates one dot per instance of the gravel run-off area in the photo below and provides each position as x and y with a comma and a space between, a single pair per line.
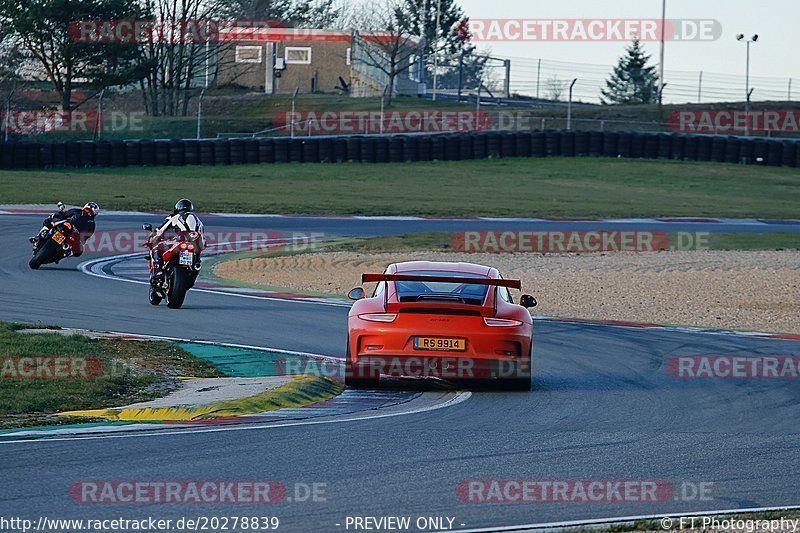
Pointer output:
757, 291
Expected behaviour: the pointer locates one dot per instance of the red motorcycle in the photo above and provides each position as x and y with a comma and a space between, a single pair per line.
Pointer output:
174, 266
60, 241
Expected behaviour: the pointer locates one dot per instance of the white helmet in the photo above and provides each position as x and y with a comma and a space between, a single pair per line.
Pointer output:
92, 208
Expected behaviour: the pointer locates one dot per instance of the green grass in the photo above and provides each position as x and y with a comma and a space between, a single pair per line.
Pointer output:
547, 187
131, 371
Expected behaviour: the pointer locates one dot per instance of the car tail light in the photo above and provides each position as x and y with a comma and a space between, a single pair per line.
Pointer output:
379, 317
500, 322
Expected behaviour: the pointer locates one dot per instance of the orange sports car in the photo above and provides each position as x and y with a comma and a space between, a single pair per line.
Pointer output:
451, 321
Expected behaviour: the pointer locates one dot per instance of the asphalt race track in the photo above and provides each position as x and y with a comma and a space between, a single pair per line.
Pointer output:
602, 408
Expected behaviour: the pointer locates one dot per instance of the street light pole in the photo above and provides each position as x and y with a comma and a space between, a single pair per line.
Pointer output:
661, 63
747, 90
569, 106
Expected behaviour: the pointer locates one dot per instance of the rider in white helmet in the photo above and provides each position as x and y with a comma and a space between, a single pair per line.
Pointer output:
182, 220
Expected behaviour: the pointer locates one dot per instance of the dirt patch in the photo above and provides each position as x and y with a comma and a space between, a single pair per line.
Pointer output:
742, 290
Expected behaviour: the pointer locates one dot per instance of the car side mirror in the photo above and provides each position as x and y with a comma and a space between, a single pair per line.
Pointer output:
356, 294
147, 227
527, 301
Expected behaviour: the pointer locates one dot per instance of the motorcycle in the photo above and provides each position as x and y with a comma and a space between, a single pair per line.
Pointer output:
174, 266
55, 244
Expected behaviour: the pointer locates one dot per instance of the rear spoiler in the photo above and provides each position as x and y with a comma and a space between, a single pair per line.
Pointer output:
509, 283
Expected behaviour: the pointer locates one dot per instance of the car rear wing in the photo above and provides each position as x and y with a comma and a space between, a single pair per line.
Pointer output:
509, 283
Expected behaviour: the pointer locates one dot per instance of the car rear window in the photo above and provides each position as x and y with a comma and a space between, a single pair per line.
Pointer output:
422, 291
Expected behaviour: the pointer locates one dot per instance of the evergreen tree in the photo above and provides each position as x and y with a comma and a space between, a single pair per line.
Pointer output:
633, 80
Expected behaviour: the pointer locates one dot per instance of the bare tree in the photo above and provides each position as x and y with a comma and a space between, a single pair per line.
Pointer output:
383, 42
185, 44
555, 88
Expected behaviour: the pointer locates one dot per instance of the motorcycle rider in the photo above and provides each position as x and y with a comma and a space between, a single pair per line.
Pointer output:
181, 220
81, 220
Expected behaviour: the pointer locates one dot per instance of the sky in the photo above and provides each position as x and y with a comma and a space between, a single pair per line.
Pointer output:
774, 56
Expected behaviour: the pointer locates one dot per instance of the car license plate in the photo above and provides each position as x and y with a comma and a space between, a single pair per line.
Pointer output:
186, 258
59, 237
440, 344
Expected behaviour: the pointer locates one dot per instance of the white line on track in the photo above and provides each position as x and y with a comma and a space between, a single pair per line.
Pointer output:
458, 397
620, 520
94, 268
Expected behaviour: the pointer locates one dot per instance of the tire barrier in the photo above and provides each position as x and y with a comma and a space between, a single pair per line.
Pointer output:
340, 150
177, 153
508, 145
410, 151
119, 153
493, 144
538, 144
553, 143
567, 144
311, 150
452, 147
437, 148
703, 149
760, 152
718, 149
236, 147
222, 152
424, 149
266, 151
296, 150
611, 145
353, 149
395, 149
381, 150
650, 149
73, 149
595, 143
677, 146
401, 148
367, 150
251, 151
46, 156
281, 150
732, 150
789, 154
581, 143
466, 147
624, 143
191, 154
326, 151
480, 145
774, 154
162, 153
102, 154
147, 154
